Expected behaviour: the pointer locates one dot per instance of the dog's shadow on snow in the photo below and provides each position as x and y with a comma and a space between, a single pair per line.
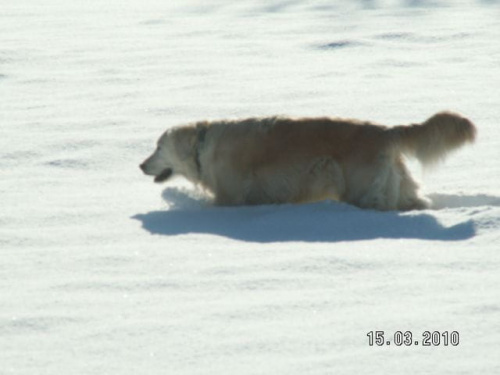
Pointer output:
317, 222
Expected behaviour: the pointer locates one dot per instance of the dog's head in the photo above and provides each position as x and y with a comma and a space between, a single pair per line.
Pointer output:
174, 154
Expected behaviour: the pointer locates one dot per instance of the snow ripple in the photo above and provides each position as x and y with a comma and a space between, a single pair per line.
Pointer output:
441, 201
340, 44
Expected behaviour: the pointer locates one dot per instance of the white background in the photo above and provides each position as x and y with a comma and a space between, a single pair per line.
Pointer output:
104, 272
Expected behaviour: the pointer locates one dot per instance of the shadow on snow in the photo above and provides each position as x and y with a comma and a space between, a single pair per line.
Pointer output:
317, 222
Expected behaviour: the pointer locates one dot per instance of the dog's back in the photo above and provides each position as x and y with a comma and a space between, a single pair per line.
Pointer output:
253, 142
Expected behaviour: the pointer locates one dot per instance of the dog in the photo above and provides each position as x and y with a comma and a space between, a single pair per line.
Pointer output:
274, 160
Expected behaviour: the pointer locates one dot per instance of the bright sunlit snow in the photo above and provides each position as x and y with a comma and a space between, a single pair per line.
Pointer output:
104, 272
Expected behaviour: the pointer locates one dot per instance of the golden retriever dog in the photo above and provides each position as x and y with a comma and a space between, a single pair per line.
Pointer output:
291, 160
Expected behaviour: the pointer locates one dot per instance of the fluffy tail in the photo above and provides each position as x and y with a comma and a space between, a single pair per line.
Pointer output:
430, 141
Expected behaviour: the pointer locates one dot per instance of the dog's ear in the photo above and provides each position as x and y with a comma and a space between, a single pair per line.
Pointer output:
185, 142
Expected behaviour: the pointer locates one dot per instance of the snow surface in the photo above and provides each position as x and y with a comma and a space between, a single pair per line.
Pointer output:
104, 272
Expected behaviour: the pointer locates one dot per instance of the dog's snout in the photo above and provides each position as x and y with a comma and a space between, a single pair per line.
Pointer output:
143, 167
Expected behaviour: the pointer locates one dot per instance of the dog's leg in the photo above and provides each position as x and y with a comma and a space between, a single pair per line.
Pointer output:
316, 180
409, 198
383, 192
268, 186
258, 190
325, 180
228, 193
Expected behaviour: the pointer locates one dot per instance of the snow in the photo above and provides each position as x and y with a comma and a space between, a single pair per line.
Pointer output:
105, 272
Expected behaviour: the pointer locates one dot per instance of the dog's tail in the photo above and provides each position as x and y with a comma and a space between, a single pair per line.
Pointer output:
432, 140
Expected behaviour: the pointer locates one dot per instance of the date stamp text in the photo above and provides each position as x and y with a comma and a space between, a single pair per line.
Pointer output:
407, 338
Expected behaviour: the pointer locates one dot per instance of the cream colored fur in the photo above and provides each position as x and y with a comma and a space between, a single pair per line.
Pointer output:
286, 160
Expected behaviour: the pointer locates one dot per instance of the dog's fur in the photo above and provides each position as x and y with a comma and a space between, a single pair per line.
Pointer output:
286, 160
